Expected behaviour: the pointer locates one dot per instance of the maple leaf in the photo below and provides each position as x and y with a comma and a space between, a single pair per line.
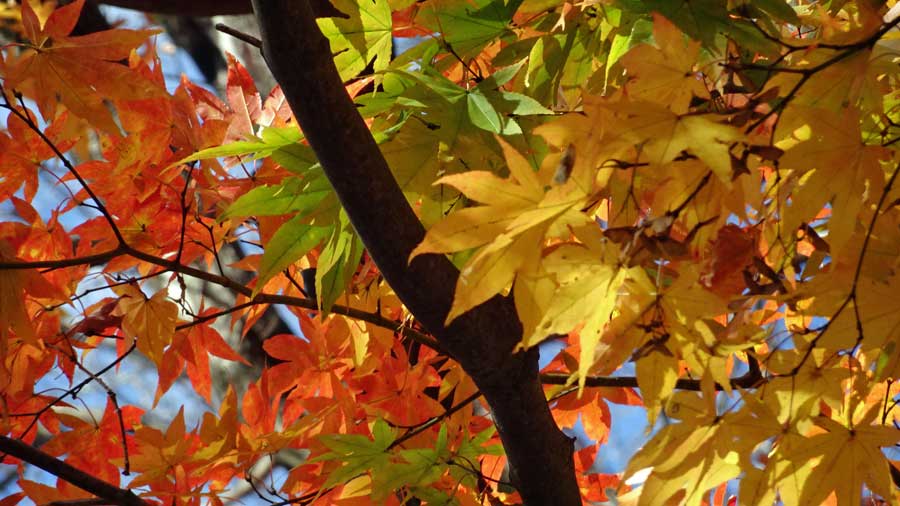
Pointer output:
191, 348
14, 312
830, 137
419, 468
591, 408
588, 280
219, 434
593, 485
159, 455
357, 453
518, 207
96, 444
151, 322
813, 380
665, 75
657, 373
466, 26
78, 71
732, 251
701, 452
848, 457
399, 389
856, 79
45, 494
309, 357
364, 35
22, 151
780, 480
661, 136
246, 105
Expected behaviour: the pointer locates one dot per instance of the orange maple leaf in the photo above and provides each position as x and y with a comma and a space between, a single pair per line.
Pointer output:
23, 150
95, 443
81, 72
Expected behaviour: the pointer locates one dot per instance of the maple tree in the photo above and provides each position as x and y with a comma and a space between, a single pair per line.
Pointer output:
701, 194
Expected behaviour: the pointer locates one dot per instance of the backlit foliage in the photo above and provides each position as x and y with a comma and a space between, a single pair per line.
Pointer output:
704, 192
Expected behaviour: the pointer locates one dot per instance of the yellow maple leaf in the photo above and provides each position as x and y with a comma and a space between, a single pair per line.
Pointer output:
665, 75
817, 378
832, 165
662, 135
705, 449
657, 373
151, 322
781, 477
158, 455
504, 199
848, 458
492, 269
589, 280
509, 227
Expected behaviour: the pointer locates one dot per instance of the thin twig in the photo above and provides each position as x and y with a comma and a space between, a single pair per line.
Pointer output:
237, 34
428, 423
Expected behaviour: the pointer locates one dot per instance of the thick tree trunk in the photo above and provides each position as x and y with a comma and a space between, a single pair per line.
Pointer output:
481, 340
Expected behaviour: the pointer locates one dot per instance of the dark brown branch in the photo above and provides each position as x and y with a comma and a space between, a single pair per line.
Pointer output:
98, 258
182, 8
73, 475
262, 298
320, 8
483, 339
750, 379
237, 34
81, 502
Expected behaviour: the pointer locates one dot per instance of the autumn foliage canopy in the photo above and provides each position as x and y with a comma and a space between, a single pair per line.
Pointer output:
695, 201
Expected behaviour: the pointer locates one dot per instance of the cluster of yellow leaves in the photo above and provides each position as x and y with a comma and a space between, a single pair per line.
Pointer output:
700, 229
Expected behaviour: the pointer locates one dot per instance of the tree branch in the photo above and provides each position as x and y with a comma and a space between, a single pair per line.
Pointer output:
750, 379
73, 475
320, 8
483, 339
182, 8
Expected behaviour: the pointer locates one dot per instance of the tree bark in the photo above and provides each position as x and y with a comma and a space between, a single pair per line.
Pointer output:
321, 8
482, 340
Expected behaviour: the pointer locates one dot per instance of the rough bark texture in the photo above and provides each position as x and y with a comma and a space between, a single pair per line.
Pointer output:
481, 340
